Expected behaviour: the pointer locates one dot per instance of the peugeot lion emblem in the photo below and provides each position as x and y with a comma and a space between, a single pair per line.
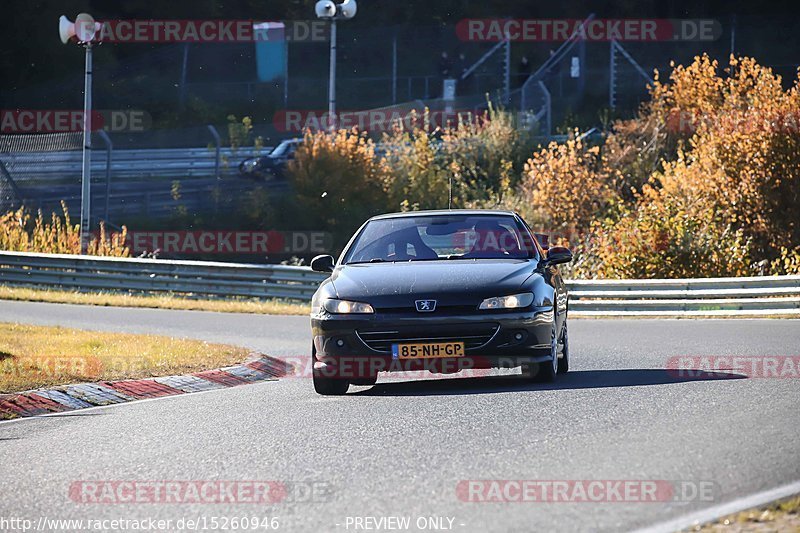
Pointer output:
426, 306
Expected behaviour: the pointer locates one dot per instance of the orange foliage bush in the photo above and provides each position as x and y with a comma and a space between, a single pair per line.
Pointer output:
565, 186
705, 181
338, 181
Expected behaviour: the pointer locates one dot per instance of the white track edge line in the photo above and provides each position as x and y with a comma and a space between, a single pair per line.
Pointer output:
724, 509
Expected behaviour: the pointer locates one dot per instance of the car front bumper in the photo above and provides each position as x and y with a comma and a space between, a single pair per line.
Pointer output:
358, 346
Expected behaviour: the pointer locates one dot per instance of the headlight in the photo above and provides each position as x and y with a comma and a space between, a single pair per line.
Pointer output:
515, 301
344, 307
251, 165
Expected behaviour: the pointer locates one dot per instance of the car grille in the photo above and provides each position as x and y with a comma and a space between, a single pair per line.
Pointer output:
472, 335
440, 310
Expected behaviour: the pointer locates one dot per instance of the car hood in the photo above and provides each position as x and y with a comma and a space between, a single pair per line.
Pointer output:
453, 282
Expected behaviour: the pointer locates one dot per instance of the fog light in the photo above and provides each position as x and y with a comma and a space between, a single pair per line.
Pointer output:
518, 336
340, 343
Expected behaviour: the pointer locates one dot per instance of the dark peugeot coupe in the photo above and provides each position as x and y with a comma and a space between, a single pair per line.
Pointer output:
441, 291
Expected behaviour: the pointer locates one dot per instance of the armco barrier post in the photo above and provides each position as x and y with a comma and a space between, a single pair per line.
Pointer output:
218, 144
109, 151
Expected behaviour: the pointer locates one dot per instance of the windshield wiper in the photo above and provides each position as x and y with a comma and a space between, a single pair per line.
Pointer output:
373, 260
441, 257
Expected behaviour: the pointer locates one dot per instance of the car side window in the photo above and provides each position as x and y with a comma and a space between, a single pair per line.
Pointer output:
528, 235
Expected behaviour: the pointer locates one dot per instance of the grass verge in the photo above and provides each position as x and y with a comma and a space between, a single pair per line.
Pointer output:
166, 301
40, 356
783, 515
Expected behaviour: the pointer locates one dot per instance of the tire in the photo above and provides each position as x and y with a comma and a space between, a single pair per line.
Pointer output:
324, 385
366, 381
544, 372
330, 386
563, 362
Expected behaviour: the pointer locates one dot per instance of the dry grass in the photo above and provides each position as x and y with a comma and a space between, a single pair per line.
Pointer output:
38, 356
778, 516
21, 231
264, 307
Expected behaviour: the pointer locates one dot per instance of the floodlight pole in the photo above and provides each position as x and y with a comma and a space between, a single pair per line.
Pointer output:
332, 79
327, 9
86, 174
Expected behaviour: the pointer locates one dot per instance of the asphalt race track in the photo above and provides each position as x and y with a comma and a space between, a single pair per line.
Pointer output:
401, 448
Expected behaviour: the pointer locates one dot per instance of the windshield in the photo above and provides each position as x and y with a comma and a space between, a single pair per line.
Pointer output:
281, 149
430, 238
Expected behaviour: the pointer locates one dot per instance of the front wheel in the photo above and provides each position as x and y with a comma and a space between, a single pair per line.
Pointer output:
326, 385
563, 361
544, 372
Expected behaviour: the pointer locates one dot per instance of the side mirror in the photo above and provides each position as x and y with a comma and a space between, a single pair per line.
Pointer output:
322, 263
558, 255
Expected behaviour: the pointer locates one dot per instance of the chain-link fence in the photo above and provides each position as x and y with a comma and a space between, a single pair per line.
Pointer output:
22, 158
186, 85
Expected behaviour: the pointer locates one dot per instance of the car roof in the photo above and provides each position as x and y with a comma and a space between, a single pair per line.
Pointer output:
436, 212
292, 140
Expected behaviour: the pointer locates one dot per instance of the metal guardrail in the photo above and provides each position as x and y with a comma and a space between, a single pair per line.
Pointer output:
745, 296
190, 278
128, 181
750, 296
152, 198
125, 164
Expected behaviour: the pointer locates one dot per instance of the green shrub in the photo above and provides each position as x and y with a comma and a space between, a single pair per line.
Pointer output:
483, 155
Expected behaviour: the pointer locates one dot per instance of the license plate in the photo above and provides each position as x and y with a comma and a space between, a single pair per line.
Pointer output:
428, 350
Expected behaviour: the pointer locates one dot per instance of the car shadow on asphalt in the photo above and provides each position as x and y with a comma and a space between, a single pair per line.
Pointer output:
579, 379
